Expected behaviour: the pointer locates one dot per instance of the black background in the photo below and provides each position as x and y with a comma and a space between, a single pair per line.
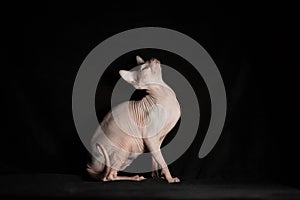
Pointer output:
254, 47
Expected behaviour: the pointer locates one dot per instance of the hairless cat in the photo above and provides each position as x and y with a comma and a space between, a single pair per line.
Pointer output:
134, 126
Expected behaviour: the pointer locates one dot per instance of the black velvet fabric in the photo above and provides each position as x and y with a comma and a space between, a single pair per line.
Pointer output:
66, 186
252, 45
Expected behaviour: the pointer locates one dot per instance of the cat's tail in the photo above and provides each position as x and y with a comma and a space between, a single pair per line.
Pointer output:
96, 168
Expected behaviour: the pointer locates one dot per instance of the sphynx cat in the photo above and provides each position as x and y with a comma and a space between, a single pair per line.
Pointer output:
134, 126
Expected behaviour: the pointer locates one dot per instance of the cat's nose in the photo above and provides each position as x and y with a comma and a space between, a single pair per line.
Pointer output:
154, 60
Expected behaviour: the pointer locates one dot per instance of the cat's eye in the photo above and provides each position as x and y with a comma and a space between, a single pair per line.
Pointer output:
146, 67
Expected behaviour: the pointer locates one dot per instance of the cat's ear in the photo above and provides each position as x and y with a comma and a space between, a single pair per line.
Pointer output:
139, 60
130, 77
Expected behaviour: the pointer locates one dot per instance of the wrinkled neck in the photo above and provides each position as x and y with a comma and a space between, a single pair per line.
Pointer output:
157, 94
160, 91
140, 110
